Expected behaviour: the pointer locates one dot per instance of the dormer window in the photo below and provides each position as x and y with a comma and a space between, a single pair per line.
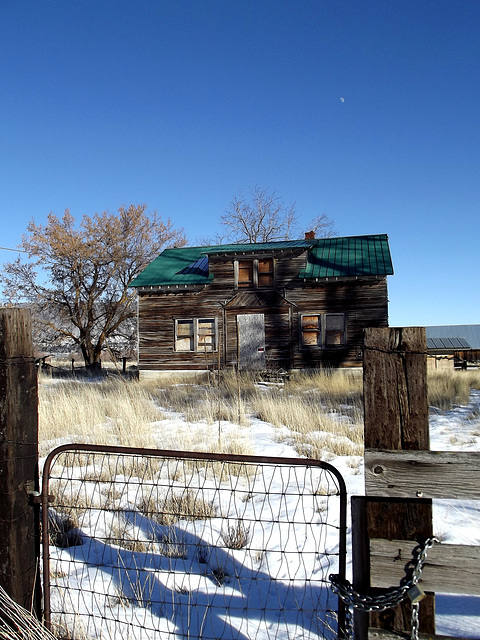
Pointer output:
245, 274
265, 272
257, 273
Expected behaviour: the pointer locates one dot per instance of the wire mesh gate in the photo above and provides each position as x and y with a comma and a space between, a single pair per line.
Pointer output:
141, 544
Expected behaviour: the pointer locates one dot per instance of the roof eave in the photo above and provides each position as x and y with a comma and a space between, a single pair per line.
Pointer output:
346, 278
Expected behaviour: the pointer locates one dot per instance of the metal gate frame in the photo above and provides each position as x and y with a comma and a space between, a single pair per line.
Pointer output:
47, 499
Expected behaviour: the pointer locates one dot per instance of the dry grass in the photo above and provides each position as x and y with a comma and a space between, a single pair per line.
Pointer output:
446, 388
16, 623
168, 510
309, 406
208, 403
235, 536
107, 412
303, 405
332, 386
119, 412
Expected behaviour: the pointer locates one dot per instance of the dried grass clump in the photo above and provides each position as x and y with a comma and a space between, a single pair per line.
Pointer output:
446, 388
331, 387
207, 403
16, 623
235, 536
326, 447
473, 378
172, 544
108, 412
63, 528
316, 430
167, 510
122, 534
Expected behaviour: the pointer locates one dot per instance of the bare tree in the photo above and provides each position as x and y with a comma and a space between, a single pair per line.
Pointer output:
322, 226
78, 275
262, 216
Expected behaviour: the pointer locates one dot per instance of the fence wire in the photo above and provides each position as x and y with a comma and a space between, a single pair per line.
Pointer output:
143, 544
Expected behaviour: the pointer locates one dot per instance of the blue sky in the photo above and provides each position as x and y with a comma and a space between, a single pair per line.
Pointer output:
182, 104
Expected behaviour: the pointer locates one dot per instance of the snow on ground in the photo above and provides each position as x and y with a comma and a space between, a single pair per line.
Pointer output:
454, 522
457, 521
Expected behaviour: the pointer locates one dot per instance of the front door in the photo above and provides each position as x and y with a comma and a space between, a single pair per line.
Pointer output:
251, 341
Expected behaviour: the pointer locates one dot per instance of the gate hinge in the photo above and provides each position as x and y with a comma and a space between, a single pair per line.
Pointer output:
37, 498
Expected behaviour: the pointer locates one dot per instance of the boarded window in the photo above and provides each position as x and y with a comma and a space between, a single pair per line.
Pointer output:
206, 335
311, 330
245, 273
254, 274
184, 335
196, 334
265, 272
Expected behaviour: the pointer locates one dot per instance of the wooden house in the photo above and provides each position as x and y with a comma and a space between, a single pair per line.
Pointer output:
277, 305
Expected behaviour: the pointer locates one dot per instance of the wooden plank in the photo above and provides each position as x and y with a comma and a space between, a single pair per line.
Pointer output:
449, 568
396, 418
383, 634
19, 546
395, 388
415, 474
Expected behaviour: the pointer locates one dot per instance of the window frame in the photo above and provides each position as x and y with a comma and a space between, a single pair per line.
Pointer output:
253, 283
322, 331
195, 338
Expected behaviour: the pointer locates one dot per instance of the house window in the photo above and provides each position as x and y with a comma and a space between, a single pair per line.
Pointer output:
184, 338
311, 334
322, 329
334, 329
196, 334
245, 274
265, 272
254, 274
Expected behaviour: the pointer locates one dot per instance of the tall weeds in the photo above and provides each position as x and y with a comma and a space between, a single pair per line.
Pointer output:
322, 412
446, 388
109, 412
319, 410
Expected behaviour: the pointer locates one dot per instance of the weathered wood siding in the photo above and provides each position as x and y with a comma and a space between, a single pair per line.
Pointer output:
363, 301
364, 304
157, 314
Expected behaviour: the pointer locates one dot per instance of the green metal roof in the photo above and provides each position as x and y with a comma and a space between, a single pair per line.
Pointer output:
351, 256
175, 267
326, 257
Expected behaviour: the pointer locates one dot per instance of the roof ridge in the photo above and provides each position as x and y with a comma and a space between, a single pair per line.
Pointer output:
310, 242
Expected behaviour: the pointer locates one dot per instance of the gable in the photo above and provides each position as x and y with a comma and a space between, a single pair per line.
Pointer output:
257, 300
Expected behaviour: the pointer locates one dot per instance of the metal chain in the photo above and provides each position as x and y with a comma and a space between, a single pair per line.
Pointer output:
387, 600
415, 622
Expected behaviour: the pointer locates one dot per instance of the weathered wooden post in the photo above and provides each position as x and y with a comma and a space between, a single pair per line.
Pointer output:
396, 418
18, 459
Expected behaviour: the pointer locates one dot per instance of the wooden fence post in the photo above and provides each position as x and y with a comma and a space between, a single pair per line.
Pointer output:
19, 545
396, 418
